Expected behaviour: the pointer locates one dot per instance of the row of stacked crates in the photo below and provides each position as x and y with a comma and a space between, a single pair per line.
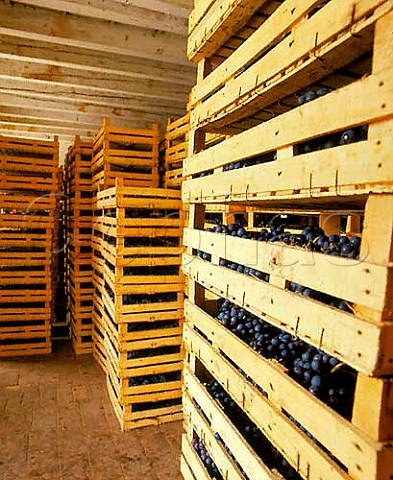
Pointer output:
78, 195
29, 210
288, 335
138, 287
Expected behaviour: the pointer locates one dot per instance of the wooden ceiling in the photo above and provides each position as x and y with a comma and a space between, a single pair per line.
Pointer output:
64, 64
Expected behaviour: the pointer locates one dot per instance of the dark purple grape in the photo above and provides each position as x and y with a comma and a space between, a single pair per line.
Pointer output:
310, 95
355, 242
322, 91
333, 238
349, 136
316, 381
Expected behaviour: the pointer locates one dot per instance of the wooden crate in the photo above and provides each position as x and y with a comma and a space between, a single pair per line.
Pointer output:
144, 325
25, 238
80, 305
116, 305
294, 47
145, 410
130, 270
131, 395
25, 293
80, 268
129, 154
99, 323
361, 339
153, 212
78, 167
176, 141
28, 166
25, 275
81, 341
26, 329
23, 347
80, 198
37, 149
43, 183
26, 222
261, 388
120, 352
27, 203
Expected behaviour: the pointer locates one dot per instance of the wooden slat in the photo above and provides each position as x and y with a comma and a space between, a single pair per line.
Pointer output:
219, 22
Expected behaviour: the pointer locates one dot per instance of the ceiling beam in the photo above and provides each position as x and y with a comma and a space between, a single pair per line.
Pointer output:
68, 93
46, 115
48, 129
81, 106
174, 20
180, 7
87, 123
48, 124
40, 135
31, 127
92, 82
77, 31
100, 62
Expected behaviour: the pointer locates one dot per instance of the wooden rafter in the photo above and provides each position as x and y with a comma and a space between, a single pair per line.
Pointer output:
75, 62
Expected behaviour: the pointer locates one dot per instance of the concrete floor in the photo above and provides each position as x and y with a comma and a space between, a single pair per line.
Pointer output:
57, 423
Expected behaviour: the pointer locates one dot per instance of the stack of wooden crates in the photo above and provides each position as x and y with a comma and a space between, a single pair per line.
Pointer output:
78, 244
138, 288
29, 206
176, 143
256, 62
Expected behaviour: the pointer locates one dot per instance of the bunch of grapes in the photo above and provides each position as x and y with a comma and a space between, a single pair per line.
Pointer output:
256, 439
143, 326
136, 299
312, 238
345, 137
203, 255
292, 286
246, 270
152, 379
320, 373
153, 352
207, 460
321, 297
